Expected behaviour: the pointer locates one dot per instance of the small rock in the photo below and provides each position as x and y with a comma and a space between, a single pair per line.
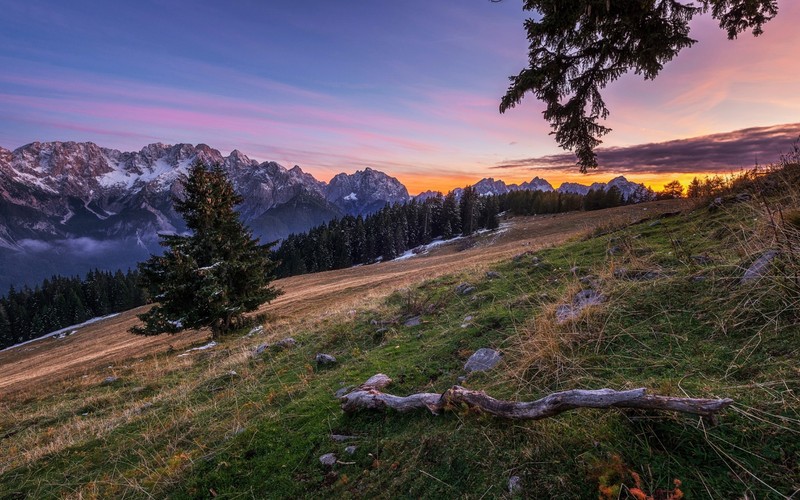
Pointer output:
581, 301
413, 321
760, 266
574, 269
614, 250
261, 349
343, 391
493, 275
742, 197
461, 379
514, 485
286, 343
717, 203
465, 289
109, 380
256, 330
702, 260
341, 438
482, 360
520, 256
351, 450
698, 278
654, 223
324, 359
328, 460
143, 408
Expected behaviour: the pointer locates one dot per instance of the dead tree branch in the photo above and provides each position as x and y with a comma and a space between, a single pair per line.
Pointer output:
368, 396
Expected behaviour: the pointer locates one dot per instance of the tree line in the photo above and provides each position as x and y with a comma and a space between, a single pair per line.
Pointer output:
63, 301
59, 302
395, 229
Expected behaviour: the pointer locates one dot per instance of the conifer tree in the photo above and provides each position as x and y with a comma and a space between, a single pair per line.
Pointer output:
470, 210
451, 216
213, 276
579, 47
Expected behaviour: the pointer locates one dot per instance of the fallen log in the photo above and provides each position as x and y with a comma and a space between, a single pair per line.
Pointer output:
368, 396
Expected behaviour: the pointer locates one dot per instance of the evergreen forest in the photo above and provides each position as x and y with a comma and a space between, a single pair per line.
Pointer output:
63, 301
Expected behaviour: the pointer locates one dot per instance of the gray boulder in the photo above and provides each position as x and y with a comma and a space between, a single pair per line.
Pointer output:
465, 289
482, 360
341, 438
324, 359
515, 485
328, 460
582, 300
286, 343
413, 321
759, 267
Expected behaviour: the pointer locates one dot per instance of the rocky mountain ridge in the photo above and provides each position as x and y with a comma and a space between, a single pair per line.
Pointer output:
66, 207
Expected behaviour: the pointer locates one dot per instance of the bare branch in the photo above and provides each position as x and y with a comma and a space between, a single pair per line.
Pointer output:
368, 396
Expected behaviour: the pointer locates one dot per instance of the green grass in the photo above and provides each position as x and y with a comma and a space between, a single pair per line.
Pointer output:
260, 433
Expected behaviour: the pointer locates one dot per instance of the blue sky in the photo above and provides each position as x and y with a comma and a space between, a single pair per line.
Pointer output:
411, 87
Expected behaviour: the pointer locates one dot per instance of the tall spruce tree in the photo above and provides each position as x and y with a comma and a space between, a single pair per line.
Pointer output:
212, 277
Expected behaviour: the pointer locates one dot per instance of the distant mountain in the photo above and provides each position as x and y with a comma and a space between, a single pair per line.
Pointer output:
66, 207
630, 190
490, 186
365, 191
536, 184
425, 195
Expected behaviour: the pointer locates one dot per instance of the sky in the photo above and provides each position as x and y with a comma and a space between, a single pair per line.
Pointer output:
411, 88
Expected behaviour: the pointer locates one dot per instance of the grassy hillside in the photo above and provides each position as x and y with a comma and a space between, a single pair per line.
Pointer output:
227, 423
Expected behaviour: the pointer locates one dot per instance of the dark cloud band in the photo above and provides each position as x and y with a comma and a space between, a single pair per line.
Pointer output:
724, 152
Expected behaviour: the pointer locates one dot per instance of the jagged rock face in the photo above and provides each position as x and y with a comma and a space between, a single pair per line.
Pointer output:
629, 190
365, 191
536, 184
573, 187
66, 207
426, 195
489, 187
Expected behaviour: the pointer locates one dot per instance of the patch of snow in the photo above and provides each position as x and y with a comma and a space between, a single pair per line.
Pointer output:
67, 217
351, 197
86, 206
208, 268
63, 331
32, 179
210, 345
439, 242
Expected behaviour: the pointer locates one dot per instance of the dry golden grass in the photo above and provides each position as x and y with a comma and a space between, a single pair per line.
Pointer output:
49, 365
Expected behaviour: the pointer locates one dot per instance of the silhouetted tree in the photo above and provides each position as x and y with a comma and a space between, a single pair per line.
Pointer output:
578, 47
673, 189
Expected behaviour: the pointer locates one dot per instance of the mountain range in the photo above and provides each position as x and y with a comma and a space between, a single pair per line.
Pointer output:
67, 207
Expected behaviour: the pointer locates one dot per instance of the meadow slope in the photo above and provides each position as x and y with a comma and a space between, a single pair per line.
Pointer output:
230, 422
